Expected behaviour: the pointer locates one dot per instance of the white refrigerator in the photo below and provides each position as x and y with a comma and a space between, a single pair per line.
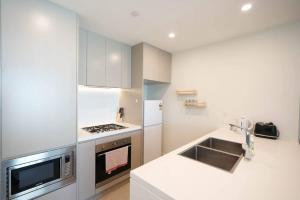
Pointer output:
152, 129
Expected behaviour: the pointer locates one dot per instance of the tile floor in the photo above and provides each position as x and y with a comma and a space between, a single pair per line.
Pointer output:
118, 192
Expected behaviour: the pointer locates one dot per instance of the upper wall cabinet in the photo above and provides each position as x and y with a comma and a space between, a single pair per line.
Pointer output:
103, 62
156, 64
95, 63
113, 64
126, 67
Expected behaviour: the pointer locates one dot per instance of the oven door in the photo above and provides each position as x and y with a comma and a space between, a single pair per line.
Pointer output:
102, 177
34, 175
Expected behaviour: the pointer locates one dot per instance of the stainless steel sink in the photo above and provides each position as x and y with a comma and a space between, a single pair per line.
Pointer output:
218, 153
223, 145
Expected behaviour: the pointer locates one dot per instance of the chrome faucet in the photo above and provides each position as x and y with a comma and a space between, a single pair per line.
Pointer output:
248, 146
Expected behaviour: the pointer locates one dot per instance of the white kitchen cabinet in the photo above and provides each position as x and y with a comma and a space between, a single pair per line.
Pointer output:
82, 58
114, 58
96, 60
103, 62
156, 64
126, 67
39, 83
86, 170
65, 193
137, 148
140, 192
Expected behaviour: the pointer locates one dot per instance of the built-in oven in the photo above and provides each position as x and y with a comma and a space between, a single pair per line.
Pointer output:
102, 150
35, 175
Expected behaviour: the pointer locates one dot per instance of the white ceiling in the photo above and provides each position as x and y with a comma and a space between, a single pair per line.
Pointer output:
195, 22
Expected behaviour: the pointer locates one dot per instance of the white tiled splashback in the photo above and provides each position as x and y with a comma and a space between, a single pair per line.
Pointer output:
97, 105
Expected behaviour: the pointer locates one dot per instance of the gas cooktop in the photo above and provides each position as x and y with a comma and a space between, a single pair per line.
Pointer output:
103, 128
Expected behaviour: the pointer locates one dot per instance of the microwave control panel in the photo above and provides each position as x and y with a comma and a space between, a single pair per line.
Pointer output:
68, 165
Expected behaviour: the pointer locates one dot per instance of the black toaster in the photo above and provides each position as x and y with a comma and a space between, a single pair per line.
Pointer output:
266, 130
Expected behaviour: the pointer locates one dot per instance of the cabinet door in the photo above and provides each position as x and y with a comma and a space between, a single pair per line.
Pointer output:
114, 54
96, 60
82, 57
136, 144
39, 58
156, 64
126, 67
138, 191
165, 62
86, 170
68, 192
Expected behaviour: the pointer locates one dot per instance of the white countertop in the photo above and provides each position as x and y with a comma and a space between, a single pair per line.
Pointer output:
84, 136
272, 174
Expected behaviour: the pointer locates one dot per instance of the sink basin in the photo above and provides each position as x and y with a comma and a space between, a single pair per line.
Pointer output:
223, 145
218, 153
215, 158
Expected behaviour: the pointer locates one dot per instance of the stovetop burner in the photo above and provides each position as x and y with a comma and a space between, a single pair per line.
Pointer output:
103, 128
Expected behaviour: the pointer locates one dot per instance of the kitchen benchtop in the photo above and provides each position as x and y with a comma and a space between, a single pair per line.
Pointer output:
84, 136
273, 173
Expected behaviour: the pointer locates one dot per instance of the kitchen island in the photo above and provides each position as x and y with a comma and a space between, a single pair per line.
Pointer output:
273, 173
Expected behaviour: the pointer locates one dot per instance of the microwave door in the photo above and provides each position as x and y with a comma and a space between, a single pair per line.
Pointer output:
31, 176
35, 175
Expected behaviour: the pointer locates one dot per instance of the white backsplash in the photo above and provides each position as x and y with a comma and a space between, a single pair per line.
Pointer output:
97, 105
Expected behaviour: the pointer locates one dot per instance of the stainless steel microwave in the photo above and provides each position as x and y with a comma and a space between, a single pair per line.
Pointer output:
35, 175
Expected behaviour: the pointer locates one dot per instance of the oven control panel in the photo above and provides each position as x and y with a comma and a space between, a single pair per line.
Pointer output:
113, 144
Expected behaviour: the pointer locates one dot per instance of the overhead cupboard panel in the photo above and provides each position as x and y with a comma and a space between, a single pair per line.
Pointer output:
103, 62
39, 59
156, 64
126, 67
114, 57
96, 60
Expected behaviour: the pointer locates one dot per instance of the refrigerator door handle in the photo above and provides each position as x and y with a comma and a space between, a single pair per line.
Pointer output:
160, 106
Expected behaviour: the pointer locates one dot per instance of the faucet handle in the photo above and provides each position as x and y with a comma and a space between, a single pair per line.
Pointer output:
233, 127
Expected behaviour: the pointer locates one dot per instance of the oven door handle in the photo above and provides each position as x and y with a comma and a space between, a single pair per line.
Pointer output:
102, 154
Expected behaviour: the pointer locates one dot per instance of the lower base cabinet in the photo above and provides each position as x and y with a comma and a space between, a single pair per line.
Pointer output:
137, 149
65, 193
140, 192
86, 170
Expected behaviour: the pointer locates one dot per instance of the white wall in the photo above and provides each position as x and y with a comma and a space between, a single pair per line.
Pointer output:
257, 76
97, 105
